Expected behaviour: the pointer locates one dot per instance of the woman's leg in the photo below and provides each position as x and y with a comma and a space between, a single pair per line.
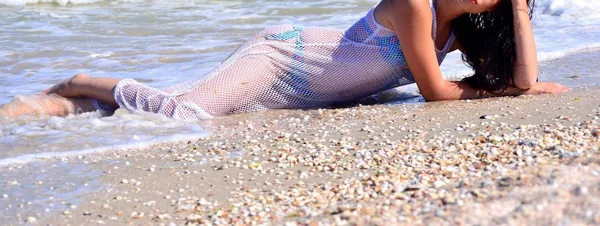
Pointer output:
83, 85
233, 87
52, 105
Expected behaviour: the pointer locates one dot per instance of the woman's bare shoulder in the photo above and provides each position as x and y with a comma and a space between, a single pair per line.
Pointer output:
389, 10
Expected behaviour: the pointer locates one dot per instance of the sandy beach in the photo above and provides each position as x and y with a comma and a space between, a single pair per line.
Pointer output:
513, 161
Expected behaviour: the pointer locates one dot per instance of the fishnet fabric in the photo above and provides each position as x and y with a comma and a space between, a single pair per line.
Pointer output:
285, 66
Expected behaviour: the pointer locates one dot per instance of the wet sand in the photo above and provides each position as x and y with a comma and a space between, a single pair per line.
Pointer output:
495, 161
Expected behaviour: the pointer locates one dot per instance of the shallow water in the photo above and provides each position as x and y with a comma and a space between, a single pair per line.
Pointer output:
28, 139
166, 42
44, 189
161, 43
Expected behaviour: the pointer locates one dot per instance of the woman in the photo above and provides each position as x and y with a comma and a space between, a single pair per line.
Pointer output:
396, 43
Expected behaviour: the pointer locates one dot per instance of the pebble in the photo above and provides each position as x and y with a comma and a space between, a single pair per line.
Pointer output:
31, 220
136, 215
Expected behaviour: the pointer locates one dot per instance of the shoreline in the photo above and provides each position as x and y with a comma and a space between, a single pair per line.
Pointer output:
400, 164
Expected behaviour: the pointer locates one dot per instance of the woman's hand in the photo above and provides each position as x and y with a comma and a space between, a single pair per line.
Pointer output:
70, 87
546, 88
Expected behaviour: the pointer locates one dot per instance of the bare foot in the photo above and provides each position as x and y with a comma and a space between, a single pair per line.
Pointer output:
37, 105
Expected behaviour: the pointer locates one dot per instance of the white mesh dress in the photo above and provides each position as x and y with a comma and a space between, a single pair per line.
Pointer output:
285, 66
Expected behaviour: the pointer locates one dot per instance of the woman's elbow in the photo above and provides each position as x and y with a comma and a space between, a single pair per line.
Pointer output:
525, 77
434, 96
442, 91
430, 98
525, 83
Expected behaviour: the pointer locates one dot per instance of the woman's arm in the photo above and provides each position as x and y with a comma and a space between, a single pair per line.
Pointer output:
511, 90
526, 68
412, 21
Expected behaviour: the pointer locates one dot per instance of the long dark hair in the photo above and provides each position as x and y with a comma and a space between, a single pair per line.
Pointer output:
488, 42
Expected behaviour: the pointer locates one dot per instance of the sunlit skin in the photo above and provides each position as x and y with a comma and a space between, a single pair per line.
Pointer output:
411, 19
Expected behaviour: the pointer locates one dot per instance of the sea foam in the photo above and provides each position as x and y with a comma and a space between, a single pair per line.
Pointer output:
28, 139
59, 2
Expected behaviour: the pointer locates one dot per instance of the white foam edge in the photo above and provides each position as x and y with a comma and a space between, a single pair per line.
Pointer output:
548, 56
28, 158
59, 2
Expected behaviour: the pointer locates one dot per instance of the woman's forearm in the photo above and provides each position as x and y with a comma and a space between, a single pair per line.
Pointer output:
526, 68
510, 91
458, 90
